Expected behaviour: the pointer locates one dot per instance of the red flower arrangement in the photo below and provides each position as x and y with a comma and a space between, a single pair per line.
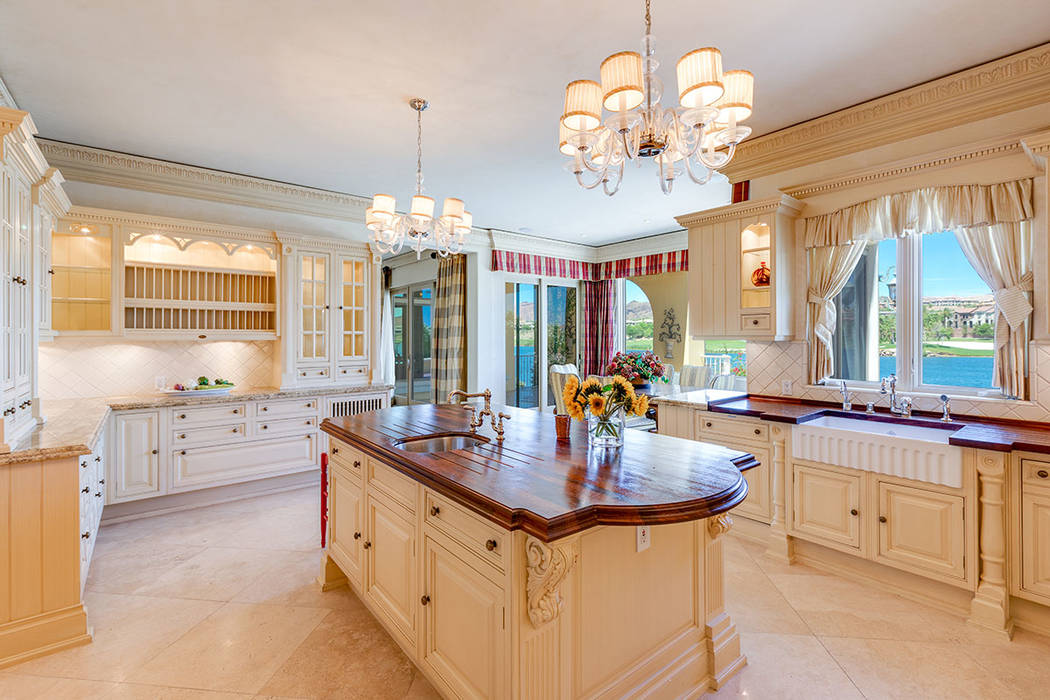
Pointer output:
637, 367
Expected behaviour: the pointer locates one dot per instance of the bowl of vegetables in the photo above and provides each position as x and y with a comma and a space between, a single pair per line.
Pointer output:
203, 385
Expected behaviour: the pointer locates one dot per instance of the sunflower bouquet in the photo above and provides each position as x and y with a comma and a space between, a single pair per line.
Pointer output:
604, 406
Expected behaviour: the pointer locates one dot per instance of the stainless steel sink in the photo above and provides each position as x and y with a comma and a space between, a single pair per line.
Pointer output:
445, 442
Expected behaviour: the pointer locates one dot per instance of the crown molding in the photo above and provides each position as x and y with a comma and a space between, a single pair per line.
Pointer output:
102, 167
49, 194
18, 146
650, 245
997, 87
130, 222
938, 160
1037, 147
290, 241
534, 245
742, 210
6, 98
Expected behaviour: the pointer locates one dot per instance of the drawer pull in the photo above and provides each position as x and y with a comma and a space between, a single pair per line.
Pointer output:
236, 430
85, 535
434, 511
182, 436
266, 408
98, 494
153, 452
236, 411
367, 545
708, 424
882, 518
182, 416
754, 322
263, 427
758, 431
357, 535
357, 464
1042, 474
101, 481
490, 545
424, 600
84, 490
98, 459
335, 450
182, 452
853, 511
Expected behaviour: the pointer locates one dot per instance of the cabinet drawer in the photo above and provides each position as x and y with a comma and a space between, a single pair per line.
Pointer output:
285, 426
393, 484
755, 322
234, 432
313, 373
1035, 473
286, 408
225, 413
720, 428
475, 534
351, 371
347, 457
206, 466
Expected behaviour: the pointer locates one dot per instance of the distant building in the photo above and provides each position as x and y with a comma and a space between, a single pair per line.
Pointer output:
964, 320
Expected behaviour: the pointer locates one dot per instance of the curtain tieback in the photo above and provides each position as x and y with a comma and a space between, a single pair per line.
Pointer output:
825, 321
1012, 302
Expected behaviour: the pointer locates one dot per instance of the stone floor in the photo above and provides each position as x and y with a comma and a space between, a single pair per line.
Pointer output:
220, 603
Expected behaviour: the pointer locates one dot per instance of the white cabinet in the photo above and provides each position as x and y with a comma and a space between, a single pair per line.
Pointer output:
346, 522
390, 571
743, 263
921, 529
314, 272
827, 505
136, 448
1031, 545
351, 322
463, 623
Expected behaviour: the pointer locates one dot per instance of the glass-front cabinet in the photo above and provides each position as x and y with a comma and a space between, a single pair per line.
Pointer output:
313, 312
352, 308
742, 257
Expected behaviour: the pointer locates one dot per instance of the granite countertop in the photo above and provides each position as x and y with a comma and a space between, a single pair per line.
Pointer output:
74, 425
690, 396
981, 433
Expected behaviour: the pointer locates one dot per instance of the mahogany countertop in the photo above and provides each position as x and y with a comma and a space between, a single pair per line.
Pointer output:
1002, 436
551, 489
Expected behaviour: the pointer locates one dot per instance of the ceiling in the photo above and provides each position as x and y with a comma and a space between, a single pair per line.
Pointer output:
315, 93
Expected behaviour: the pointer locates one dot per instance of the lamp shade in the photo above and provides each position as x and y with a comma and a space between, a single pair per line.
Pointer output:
453, 208
463, 226
564, 146
422, 207
700, 77
583, 105
739, 96
383, 207
621, 76
372, 221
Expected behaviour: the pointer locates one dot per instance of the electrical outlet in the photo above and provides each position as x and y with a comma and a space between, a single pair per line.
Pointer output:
786, 387
643, 536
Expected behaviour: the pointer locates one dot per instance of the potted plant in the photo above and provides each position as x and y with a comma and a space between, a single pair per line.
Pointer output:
639, 368
605, 407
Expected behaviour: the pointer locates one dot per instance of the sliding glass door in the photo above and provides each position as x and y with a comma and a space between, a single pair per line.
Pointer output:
413, 343
560, 322
522, 381
541, 330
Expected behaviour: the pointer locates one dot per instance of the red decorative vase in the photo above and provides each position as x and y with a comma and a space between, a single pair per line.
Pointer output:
760, 277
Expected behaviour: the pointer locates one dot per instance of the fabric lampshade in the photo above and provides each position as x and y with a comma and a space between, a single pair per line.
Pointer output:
422, 207
700, 77
583, 105
739, 95
383, 207
566, 148
453, 208
621, 76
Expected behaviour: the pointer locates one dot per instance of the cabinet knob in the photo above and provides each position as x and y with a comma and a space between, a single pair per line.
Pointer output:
85, 535
853, 511
357, 535
266, 408
182, 436
758, 431
182, 416
424, 600
882, 518
434, 511
236, 430
1042, 474
101, 481
83, 465
84, 490
367, 545
754, 322
98, 459
236, 411
263, 427
335, 450
51, 271
182, 452
153, 451
708, 424
490, 544
357, 464
98, 494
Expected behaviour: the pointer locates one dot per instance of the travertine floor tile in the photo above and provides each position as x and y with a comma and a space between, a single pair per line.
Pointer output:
293, 581
1023, 664
235, 649
753, 602
216, 573
894, 669
132, 691
127, 571
15, 686
128, 632
787, 667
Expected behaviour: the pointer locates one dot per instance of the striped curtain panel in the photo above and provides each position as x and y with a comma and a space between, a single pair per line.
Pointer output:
528, 264
599, 325
450, 326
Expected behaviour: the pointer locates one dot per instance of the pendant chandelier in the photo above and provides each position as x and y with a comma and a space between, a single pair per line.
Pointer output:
390, 230
697, 138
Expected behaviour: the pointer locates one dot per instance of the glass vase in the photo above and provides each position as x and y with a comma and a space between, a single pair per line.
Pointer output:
606, 432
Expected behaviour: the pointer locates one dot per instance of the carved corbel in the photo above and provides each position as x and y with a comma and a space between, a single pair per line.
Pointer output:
546, 568
719, 525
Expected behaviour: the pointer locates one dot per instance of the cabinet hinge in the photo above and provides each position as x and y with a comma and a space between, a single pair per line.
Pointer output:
504, 609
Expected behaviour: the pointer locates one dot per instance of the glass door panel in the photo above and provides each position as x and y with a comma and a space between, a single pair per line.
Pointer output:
399, 305
422, 345
314, 293
561, 331
522, 388
352, 309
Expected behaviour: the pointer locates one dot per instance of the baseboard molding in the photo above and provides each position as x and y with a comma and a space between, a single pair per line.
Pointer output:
29, 638
1030, 616
172, 503
751, 530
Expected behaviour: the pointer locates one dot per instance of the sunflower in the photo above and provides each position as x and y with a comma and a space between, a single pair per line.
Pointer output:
620, 389
575, 410
597, 402
591, 386
640, 405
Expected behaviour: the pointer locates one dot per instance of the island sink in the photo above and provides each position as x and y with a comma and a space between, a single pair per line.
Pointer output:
443, 442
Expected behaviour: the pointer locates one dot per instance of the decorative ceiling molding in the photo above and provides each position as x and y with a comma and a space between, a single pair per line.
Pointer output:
291, 241
939, 160
6, 98
102, 167
1004, 85
49, 194
18, 146
741, 210
1037, 146
650, 245
130, 223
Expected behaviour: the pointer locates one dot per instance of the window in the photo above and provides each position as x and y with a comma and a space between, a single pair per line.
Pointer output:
522, 384
915, 307
561, 330
637, 319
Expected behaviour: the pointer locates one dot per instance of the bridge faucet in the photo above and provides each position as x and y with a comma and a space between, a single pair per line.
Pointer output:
477, 418
898, 405
847, 397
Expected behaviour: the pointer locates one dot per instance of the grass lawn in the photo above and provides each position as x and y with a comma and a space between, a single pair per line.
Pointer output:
717, 347
937, 349
639, 344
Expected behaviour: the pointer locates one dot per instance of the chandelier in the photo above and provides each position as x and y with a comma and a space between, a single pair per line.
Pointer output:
697, 138
390, 230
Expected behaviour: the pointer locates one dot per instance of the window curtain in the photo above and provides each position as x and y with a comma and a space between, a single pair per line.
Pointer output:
830, 268
992, 224
1002, 256
450, 326
599, 325
385, 370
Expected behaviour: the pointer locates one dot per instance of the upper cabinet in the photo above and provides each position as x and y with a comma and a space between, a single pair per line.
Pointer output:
328, 337
741, 260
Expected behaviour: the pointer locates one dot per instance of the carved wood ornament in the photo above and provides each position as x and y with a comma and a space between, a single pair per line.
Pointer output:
546, 567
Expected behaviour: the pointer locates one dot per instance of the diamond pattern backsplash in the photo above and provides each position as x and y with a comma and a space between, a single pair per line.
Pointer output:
769, 364
72, 368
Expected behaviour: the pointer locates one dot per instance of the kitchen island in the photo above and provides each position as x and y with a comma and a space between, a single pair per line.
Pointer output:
534, 568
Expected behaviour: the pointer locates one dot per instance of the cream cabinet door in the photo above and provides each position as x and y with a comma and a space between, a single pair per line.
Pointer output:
757, 503
390, 566
921, 529
346, 522
314, 273
351, 308
827, 505
1035, 543
463, 624
136, 448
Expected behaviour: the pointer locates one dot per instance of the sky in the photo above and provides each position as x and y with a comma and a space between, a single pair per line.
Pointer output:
945, 270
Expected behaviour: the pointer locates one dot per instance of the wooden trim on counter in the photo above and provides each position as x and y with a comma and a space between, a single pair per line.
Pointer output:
551, 489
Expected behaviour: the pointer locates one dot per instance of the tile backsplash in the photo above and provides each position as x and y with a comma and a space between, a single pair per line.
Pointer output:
82, 367
769, 364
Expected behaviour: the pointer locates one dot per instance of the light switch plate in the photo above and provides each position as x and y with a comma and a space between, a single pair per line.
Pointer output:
786, 387
643, 537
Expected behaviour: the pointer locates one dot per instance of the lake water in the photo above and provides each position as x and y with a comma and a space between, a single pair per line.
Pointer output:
948, 371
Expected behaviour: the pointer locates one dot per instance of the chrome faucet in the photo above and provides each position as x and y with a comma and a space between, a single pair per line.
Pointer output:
477, 419
898, 405
847, 397
946, 409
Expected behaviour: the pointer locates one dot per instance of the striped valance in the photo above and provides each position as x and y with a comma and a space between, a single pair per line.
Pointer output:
543, 266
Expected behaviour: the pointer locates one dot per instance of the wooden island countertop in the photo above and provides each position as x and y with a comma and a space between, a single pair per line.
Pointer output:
551, 489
